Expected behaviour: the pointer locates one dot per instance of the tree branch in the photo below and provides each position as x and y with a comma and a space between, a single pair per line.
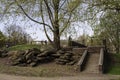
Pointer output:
45, 27
30, 17
49, 12
66, 25
62, 4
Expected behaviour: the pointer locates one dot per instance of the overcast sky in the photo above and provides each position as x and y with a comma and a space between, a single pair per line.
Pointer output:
35, 31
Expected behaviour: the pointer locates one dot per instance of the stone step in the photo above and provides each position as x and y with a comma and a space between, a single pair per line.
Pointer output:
92, 63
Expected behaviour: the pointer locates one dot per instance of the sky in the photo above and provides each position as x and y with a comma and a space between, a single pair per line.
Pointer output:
39, 35
36, 32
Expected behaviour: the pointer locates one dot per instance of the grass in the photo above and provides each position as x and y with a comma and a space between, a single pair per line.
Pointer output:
23, 47
117, 56
115, 66
28, 46
114, 69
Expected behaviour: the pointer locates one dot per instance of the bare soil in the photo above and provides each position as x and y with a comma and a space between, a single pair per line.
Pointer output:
49, 71
80, 77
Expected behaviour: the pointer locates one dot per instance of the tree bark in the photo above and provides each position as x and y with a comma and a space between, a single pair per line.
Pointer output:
56, 39
56, 32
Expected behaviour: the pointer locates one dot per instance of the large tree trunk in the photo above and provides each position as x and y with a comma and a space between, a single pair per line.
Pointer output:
56, 25
56, 39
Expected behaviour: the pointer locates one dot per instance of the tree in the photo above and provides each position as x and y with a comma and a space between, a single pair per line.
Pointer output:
84, 39
2, 39
55, 15
16, 34
109, 28
104, 16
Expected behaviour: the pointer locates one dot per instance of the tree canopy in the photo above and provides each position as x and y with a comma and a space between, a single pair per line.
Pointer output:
105, 20
17, 35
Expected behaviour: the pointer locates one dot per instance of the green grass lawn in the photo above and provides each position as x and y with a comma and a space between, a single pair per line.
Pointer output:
28, 46
23, 47
115, 67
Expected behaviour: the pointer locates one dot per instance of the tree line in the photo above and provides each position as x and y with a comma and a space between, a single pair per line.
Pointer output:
14, 35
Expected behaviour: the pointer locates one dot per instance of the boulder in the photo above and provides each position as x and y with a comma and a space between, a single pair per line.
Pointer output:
33, 64
3, 53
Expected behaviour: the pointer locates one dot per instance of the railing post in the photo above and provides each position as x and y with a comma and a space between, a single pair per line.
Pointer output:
101, 59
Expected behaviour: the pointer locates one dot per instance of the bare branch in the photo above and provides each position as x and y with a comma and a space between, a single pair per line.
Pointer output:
45, 27
62, 4
30, 17
66, 25
49, 12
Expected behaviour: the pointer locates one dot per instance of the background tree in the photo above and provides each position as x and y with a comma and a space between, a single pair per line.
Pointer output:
84, 39
2, 39
104, 17
17, 35
109, 28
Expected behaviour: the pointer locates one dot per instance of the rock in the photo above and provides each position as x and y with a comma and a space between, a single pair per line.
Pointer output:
33, 64
14, 63
60, 52
65, 58
11, 53
71, 63
68, 54
16, 55
32, 57
29, 56
61, 63
22, 65
29, 61
3, 53
56, 55
40, 58
44, 54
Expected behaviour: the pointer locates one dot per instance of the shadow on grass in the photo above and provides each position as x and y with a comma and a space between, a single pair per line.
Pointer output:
112, 64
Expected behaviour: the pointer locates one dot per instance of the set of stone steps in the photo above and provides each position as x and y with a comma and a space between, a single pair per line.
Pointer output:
92, 63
